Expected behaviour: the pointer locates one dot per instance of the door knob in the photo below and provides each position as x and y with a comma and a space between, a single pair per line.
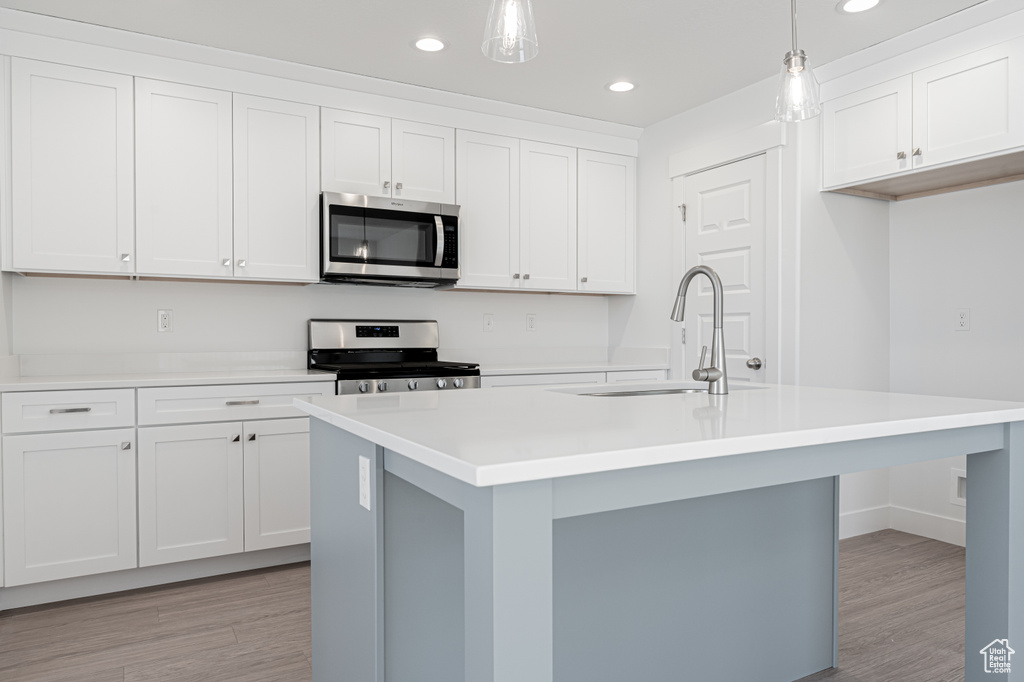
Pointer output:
754, 363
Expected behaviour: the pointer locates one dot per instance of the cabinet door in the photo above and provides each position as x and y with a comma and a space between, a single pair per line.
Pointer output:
355, 153
970, 106
276, 466
547, 214
276, 178
865, 132
487, 191
190, 492
69, 504
423, 158
72, 169
606, 232
183, 180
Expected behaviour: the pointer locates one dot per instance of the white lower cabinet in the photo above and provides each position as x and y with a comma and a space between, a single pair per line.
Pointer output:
276, 483
190, 492
68, 504
212, 489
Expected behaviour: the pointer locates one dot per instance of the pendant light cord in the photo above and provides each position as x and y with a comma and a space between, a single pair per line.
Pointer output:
794, 25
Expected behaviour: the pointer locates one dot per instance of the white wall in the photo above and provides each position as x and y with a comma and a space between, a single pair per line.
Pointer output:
951, 251
56, 315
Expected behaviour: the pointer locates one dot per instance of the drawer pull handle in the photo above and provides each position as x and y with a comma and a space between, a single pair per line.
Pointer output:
69, 410
252, 436
242, 402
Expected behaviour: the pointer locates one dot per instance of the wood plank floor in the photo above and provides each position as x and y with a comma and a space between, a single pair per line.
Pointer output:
901, 618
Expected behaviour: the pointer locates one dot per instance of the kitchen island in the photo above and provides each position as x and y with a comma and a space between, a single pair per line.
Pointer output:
542, 534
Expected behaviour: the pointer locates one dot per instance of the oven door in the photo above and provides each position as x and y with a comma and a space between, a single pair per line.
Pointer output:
371, 238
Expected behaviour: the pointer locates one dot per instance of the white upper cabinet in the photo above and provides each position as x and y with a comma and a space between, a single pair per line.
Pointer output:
422, 162
355, 155
276, 181
383, 157
547, 214
487, 191
970, 106
962, 109
867, 133
606, 232
183, 180
72, 170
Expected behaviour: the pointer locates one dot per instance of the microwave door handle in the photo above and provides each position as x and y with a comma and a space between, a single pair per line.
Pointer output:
439, 227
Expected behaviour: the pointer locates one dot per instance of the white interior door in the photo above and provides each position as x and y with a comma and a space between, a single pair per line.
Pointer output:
725, 230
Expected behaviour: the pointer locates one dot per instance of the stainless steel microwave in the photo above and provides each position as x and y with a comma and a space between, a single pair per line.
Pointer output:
376, 240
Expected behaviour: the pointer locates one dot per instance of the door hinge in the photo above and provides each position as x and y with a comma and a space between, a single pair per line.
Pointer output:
682, 210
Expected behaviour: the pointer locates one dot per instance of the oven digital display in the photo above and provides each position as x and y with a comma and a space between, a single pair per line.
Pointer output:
367, 331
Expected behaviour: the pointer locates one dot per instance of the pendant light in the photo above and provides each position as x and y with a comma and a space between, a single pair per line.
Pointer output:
511, 36
798, 90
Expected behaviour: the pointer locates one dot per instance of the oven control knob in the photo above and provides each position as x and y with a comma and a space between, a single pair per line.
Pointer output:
458, 383
413, 385
363, 387
382, 386
441, 383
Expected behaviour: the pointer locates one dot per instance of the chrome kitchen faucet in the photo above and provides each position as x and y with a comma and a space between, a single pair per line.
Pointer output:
715, 376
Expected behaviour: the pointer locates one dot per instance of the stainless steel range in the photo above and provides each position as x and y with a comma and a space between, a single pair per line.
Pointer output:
378, 356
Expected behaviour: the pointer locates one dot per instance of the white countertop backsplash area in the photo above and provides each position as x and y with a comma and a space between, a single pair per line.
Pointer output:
69, 371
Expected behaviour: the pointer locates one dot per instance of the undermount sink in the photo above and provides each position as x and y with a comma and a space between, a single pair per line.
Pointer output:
649, 391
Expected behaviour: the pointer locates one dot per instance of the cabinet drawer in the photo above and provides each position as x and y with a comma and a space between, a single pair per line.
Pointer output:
192, 404
67, 410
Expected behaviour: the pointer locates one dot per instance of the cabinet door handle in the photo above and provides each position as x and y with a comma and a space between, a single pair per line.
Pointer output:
252, 436
241, 262
583, 279
126, 445
398, 186
226, 262
126, 257
917, 151
242, 402
901, 155
515, 276
387, 185
236, 439
69, 410
527, 276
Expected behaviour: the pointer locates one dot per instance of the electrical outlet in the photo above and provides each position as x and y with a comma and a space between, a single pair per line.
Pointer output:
962, 320
958, 487
488, 322
165, 320
364, 482
531, 322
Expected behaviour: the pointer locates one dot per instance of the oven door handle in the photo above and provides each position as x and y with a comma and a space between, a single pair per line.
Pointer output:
439, 254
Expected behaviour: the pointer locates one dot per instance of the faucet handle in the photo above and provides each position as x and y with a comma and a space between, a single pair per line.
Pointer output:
703, 356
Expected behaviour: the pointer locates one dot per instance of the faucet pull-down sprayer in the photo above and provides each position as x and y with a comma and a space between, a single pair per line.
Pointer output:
715, 376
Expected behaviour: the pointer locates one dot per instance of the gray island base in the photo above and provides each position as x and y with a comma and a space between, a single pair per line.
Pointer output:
710, 568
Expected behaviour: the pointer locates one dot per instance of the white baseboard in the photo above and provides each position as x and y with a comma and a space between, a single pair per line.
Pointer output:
941, 528
117, 581
864, 521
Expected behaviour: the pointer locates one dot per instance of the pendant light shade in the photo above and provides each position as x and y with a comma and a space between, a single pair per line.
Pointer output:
510, 36
798, 98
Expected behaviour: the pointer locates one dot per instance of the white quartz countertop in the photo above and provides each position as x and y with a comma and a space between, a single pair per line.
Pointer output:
506, 435
504, 369
146, 380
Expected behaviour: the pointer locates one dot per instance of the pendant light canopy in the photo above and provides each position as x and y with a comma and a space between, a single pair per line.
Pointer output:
798, 90
511, 36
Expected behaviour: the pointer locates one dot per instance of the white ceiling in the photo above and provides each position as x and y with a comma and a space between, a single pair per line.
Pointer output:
680, 53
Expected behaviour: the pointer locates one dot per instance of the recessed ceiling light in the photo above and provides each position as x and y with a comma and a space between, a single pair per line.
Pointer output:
621, 86
430, 44
852, 6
